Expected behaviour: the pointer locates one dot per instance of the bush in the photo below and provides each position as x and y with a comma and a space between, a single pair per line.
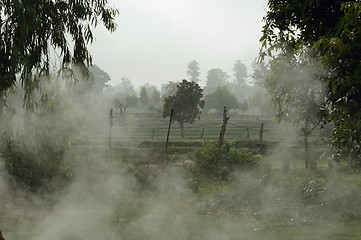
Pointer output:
219, 163
49, 130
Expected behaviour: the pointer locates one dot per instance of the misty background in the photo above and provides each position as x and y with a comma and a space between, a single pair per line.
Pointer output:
156, 40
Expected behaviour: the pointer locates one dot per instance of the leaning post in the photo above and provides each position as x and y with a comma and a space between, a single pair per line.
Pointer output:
170, 123
223, 129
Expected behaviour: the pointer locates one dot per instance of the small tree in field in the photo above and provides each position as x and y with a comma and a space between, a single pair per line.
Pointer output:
187, 104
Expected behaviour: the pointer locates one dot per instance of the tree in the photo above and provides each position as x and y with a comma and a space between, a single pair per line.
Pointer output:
295, 84
240, 73
215, 77
126, 87
32, 30
149, 88
239, 86
261, 102
98, 79
243, 106
131, 101
221, 98
260, 71
187, 104
155, 98
143, 96
169, 89
331, 31
193, 71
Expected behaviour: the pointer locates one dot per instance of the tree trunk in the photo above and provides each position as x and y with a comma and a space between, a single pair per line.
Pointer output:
2, 102
312, 159
182, 129
305, 139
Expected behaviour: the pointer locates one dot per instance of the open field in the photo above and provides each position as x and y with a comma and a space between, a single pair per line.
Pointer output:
150, 126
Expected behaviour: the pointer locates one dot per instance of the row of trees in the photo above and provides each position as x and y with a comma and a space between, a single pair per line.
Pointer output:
236, 95
217, 77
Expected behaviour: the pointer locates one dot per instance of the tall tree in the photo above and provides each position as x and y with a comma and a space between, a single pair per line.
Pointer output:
215, 77
193, 71
240, 73
143, 96
155, 98
331, 31
30, 31
239, 86
187, 104
125, 87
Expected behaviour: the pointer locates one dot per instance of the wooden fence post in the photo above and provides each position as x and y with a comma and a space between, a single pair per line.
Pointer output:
170, 123
153, 135
223, 129
247, 133
202, 133
110, 128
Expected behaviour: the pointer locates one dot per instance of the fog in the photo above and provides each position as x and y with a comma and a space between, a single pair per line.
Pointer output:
156, 40
71, 169
108, 196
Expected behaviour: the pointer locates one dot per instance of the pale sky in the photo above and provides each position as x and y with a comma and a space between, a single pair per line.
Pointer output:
155, 40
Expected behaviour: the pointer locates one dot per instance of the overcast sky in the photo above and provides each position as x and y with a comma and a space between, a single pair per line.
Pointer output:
156, 40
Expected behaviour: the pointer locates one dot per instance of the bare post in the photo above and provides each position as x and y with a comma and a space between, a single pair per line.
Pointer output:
170, 123
110, 127
153, 135
247, 133
223, 129
202, 132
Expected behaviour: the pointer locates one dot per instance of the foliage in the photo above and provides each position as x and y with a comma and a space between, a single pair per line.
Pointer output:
261, 98
220, 98
215, 77
38, 156
186, 103
125, 87
243, 106
143, 96
155, 98
131, 101
260, 70
31, 31
240, 73
193, 71
294, 83
261, 101
219, 163
169, 89
98, 78
332, 30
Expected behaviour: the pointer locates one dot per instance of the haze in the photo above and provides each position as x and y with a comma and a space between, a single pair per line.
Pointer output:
156, 40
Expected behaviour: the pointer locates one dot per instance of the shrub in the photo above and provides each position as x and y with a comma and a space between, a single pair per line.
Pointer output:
49, 130
219, 163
